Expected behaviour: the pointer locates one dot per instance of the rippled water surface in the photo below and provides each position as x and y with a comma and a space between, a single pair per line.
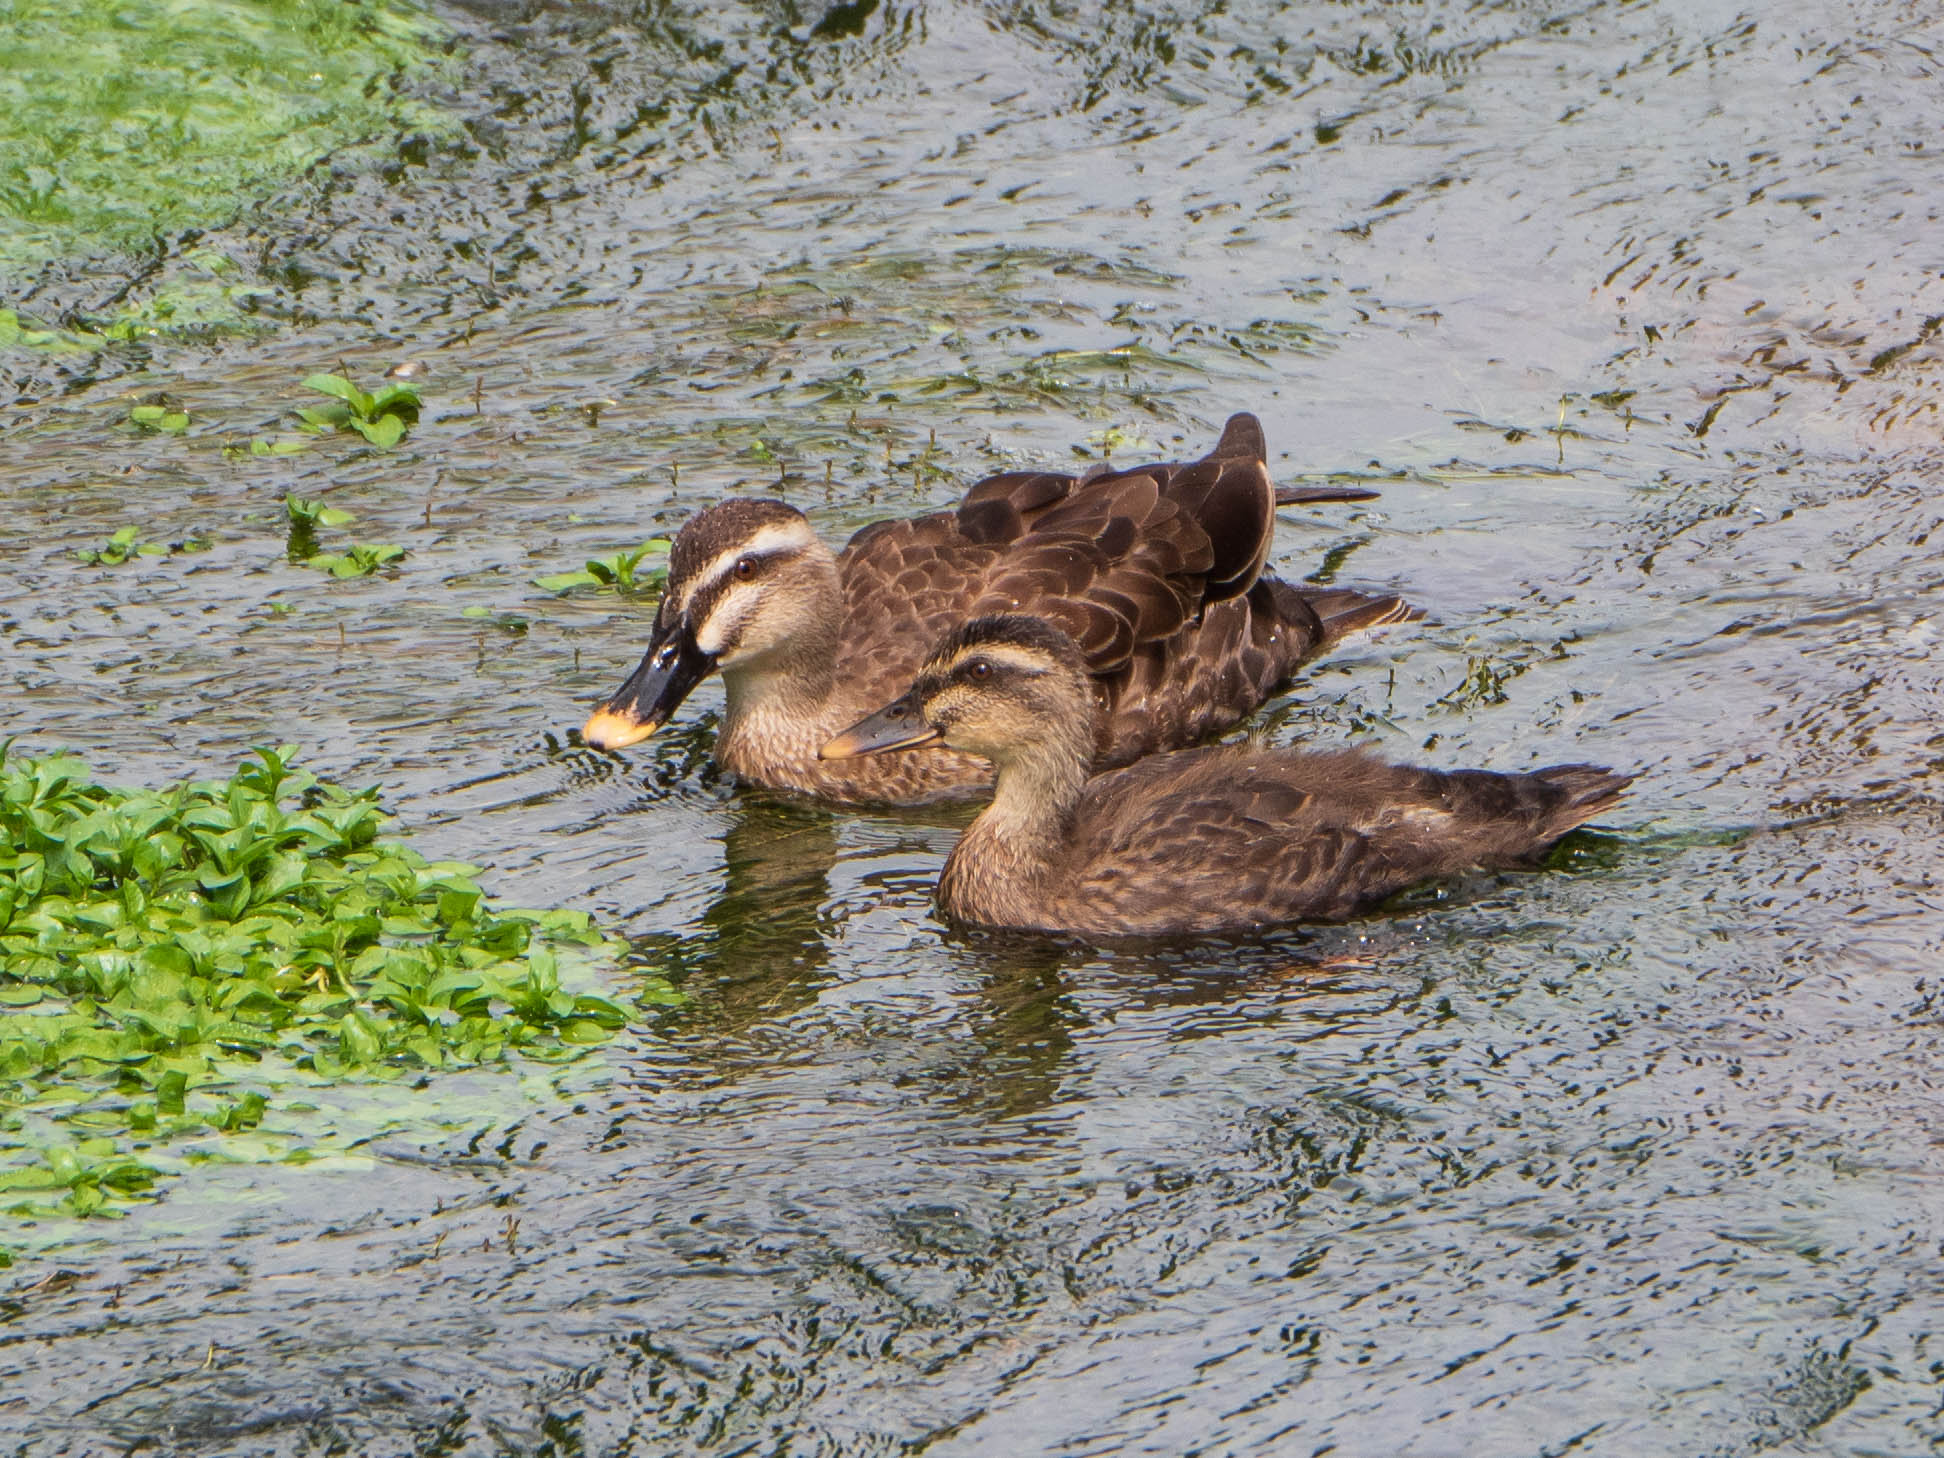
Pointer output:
1632, 310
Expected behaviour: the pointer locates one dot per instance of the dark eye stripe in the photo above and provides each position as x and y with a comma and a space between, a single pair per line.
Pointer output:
716, 588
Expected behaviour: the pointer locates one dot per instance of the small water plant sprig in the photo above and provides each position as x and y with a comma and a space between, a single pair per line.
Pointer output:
622, 573
124, 546
172, 961
161, 418
381, 418
359, 560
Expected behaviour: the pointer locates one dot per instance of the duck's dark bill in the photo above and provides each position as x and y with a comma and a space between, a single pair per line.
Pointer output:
653, 691
896, 726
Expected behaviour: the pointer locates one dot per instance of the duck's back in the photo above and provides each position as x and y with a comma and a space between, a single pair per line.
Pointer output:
1153, 571
1239, 838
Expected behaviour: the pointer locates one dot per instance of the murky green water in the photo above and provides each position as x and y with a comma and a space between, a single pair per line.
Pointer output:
1632, 308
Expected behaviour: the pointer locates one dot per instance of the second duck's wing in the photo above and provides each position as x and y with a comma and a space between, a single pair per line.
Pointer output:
1240, 838
1218, 839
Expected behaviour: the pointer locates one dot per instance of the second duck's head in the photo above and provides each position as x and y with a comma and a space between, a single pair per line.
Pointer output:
750, 589
999, 687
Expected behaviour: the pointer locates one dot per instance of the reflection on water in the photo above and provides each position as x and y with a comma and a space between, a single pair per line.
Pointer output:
1629, 310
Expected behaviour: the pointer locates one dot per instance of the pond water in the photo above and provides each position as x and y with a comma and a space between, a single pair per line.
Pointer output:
1632, 311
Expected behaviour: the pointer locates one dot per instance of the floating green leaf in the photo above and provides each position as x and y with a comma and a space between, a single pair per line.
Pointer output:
314, 513
381, 418
160, 418
123, 546
357, 561
621, 573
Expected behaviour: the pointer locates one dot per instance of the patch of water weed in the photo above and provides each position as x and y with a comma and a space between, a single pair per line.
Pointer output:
360, 559
182, 965
621, 573
381, 418
127, 544
163, 419
124, 121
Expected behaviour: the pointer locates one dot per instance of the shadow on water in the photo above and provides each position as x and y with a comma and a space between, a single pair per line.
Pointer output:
1630, 313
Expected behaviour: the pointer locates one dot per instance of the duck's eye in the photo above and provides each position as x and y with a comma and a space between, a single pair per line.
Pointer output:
979, 668
745, 568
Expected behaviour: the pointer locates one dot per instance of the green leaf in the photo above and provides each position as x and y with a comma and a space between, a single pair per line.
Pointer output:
385, 431
342, 389
170, 1089
564, 581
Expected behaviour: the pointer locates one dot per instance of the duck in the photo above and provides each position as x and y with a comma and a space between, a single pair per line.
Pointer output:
1218, 840
1155, 571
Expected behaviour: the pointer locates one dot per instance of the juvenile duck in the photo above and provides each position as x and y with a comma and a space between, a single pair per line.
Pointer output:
1224, 839
1155, 572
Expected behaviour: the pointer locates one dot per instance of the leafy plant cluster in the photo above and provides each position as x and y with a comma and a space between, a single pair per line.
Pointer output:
621, 573
173, 962
382, 418
361, 559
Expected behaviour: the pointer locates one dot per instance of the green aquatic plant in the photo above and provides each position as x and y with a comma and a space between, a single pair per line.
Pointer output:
124, 546
381, 418
622, 573
160, 418
174, 963
310, 515
306, 516
358, 560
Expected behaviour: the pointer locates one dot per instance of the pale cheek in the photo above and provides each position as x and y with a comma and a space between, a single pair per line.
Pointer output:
714, 634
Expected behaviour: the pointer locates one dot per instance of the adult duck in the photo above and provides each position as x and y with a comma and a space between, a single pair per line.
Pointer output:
1225, 839
1155, 571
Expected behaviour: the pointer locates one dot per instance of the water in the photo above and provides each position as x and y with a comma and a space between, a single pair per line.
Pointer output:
1630, 310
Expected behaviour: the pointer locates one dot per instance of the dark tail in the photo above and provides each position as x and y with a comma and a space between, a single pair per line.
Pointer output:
1590, 789
1304, 495
1343, 610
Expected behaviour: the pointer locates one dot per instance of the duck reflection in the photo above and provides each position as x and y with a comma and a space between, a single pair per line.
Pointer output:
761, 948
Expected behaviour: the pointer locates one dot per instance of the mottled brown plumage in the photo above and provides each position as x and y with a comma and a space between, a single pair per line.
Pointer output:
1217, 840
1154, 571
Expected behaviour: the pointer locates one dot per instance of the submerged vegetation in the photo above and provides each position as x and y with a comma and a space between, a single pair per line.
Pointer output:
175, 963
126, 121
621, 573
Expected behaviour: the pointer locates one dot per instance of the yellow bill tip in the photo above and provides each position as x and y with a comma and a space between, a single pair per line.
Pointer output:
609, 730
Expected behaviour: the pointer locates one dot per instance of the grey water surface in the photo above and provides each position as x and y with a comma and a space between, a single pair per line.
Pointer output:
1632, 312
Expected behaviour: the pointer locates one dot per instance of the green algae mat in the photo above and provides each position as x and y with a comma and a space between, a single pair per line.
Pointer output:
126, 123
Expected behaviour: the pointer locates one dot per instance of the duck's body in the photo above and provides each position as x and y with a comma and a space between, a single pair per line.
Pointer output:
1201, 841
1154, 571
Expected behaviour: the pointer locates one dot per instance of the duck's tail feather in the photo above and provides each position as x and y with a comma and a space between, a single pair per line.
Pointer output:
1344, 610
1590, 789
1306, 495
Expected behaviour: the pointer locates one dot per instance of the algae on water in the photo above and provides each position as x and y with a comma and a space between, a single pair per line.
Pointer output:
127, 121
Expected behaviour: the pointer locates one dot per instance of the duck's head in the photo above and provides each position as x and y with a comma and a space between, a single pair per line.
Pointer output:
995, 687
747, 581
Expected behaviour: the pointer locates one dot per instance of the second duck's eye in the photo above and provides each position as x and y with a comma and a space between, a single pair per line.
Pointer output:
745, 568
979, 668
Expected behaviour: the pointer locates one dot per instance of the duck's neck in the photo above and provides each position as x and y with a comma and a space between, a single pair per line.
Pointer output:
778, 706
1002, 869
